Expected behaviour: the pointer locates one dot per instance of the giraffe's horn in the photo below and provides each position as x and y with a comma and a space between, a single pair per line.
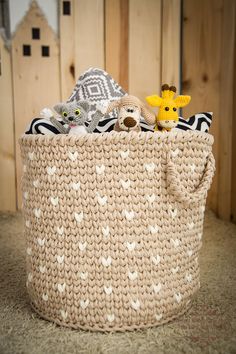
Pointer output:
165, 87
172, 88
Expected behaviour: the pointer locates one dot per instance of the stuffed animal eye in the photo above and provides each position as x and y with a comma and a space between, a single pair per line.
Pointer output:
167, 108
64, 114
77, 112
175, 109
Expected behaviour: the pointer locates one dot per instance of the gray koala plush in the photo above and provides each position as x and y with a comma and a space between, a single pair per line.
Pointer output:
74, 114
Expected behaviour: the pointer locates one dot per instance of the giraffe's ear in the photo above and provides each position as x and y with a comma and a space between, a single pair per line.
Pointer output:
154, 100
182, 101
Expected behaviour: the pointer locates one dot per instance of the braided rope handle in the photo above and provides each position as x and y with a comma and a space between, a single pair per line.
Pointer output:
179, 191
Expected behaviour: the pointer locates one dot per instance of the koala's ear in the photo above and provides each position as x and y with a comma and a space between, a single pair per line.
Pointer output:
59, 108
85, 105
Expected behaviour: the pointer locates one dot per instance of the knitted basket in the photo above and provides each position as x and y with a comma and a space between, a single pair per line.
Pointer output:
113, 224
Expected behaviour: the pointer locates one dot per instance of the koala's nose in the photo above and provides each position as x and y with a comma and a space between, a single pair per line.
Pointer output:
129, 122
70, 119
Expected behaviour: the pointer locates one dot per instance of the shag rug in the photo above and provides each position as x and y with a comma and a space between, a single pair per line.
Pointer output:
208, 327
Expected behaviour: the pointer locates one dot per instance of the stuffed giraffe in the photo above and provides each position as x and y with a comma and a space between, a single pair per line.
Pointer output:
167, 117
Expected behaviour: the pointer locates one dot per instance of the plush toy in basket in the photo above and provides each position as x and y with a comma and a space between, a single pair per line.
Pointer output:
113, 225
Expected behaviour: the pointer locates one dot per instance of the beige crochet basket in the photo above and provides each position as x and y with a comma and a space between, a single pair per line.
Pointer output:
113, 224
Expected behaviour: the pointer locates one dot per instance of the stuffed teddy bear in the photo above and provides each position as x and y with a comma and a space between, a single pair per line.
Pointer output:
167, 117
130, 110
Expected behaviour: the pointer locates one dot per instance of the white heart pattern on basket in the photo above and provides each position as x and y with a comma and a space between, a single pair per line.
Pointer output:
125, 184
111, 317
37, 213
188, 277
158, 317
61, 287
51, 170
106, 231
178, 297
149, 167
131, 245
42, 269
75, 186
45, 297
135, 304
156, 288
82, 246
173, 212
60, 259
175, 270
108, 290
83, 275
129, 215
79, 216
100, 169
41, 241
153, 229
60, 230
29, 251
151, 198
175, 242
175, 152
31, 155
64, 314
190, 253
73, 155
124, 154
106, 261
26, 195
191, 225
36, 183
30, 277
102, 200
133, 275
54, 201
84, 303
156, 259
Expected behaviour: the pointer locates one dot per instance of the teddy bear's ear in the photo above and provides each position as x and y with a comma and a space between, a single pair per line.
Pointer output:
59, 108
112, 105
84, 104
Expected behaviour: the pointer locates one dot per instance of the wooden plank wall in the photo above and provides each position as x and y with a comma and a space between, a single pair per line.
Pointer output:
36, 78
141, 44
7, 153
207, 75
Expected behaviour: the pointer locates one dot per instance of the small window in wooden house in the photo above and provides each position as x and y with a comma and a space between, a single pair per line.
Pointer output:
45, 51
26, 50
35, 33
66, 8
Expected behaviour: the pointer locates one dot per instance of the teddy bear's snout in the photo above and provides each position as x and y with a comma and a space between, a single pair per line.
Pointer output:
130, 122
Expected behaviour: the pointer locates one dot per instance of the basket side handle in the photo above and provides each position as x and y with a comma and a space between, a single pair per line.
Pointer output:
179, 191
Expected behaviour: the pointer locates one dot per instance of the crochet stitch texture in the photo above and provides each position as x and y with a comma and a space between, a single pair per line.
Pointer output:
113, 224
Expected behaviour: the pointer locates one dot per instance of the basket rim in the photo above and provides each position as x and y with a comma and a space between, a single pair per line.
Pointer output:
113, 137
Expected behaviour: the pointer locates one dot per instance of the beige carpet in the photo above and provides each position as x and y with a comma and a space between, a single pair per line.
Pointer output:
208, 327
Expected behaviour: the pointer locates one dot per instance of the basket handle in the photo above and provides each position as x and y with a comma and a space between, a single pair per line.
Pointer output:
179, 191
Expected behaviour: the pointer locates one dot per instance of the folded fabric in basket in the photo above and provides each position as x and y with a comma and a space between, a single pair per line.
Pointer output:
97, 86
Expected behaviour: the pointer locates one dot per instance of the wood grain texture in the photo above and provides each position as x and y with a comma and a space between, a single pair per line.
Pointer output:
36, 79
88, 35
7, 153
67, 51
171, 42
202, 26
116, 40
226, 110
144, 47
